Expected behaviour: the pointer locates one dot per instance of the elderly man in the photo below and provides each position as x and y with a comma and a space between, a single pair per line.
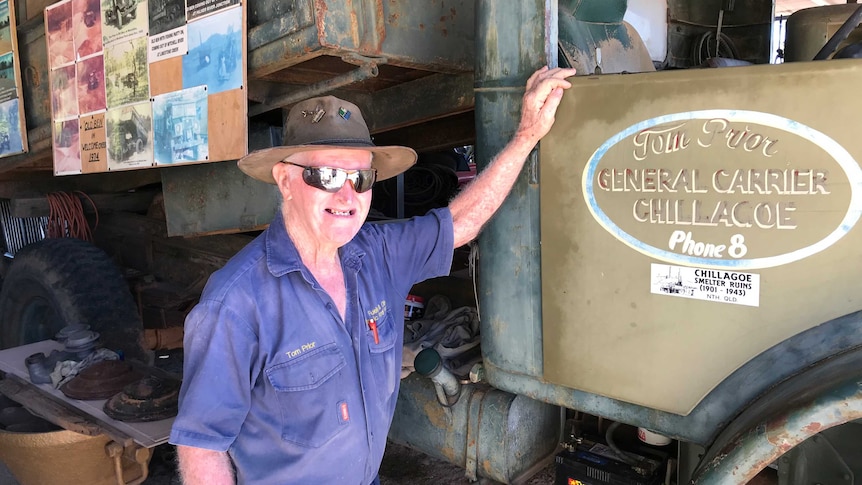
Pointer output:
293, 355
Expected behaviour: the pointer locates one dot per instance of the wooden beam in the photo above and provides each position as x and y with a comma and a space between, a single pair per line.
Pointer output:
439, 134
48, 409
14, 185
137, 201
415, 102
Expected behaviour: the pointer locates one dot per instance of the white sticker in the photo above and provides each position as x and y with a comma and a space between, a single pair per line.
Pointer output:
173, 43
705, 284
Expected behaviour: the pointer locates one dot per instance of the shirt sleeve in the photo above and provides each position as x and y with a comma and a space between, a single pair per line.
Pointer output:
420, 248
219, 348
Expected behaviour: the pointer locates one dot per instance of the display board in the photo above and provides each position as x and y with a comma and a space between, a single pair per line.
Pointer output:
13, 132
143, 83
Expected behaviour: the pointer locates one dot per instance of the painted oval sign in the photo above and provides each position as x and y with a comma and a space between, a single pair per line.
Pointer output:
724, 189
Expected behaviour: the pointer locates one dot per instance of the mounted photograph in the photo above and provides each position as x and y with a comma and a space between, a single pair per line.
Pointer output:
126, 72
64, 101
180, 126
5, 29
215, 52
58, 30
129, 133
87, 21
67, 154
10, 133
91, 84
123, 19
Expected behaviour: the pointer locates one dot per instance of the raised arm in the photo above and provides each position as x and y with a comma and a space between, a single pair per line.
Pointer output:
475, 205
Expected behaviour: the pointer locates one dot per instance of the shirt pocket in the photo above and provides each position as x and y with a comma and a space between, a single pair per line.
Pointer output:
384, 353
309, 389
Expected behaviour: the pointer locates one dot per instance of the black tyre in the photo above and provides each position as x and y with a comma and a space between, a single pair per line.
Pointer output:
57, 282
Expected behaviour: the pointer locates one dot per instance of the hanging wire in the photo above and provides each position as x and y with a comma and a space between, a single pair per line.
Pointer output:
66, 216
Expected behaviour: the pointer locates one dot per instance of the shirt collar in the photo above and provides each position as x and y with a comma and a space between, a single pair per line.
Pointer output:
282, 256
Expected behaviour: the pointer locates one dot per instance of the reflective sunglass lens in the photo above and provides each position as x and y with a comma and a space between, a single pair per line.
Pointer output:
332, 179
365, 179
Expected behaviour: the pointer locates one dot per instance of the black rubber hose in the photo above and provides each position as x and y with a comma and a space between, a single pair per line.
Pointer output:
609, 438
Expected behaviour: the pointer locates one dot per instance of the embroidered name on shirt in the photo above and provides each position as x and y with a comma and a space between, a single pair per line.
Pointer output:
377, 312
305, 347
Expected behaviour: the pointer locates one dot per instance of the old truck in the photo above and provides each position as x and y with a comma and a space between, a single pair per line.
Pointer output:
121, 12
680, 155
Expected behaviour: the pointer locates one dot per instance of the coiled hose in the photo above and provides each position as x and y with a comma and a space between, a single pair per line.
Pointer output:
66, 216
705, 47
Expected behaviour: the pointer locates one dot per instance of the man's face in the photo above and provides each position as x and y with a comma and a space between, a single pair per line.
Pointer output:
314, 216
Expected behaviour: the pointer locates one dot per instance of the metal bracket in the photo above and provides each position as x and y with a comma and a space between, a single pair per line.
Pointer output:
474, 420
365, 71
360, 60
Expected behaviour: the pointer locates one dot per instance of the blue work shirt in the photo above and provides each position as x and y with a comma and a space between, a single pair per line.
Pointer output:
272, 374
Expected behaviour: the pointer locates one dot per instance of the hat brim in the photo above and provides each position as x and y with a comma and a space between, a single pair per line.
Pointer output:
388, 160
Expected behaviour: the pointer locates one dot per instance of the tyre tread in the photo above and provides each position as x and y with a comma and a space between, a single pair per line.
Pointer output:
86, 287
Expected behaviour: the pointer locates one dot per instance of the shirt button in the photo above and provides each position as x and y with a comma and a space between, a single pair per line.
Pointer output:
329, 306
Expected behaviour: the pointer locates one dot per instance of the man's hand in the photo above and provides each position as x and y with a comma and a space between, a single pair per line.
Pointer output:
544, 91
472, 208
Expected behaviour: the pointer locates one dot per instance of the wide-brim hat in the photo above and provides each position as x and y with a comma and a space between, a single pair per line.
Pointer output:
327, 123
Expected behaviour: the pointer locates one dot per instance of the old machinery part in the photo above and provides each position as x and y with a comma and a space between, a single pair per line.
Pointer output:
428, 363
842, 33
491, 433
20, 231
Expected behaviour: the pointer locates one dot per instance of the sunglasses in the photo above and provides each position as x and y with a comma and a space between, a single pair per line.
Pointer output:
331, 179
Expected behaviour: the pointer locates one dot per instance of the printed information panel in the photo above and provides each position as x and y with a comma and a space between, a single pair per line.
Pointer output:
705, 284
115, 60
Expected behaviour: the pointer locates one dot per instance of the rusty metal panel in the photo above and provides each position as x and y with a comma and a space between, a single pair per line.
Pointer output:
434, 36
271, 19
739, 458
215, 198
609, 244
511, 36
